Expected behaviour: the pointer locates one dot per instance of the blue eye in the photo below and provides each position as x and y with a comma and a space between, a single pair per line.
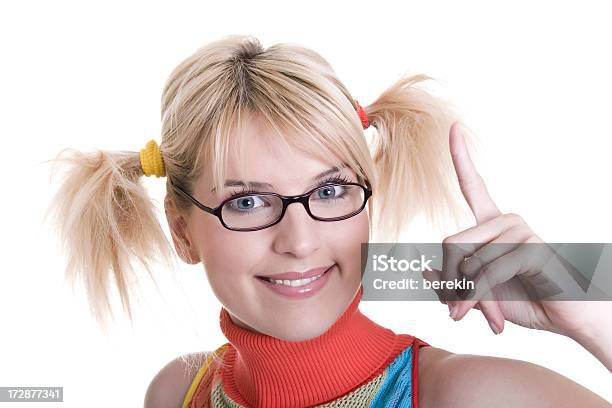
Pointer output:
246, 203
328, 192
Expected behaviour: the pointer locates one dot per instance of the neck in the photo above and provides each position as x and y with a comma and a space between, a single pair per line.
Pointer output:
261, 370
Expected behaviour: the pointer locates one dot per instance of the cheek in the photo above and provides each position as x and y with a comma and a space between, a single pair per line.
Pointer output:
356, 230
225, 253
345, 240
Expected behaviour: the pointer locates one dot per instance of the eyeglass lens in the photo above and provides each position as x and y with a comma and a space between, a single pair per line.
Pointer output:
259, 210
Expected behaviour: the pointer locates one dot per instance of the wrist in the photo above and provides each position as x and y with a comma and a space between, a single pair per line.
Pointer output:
597, 340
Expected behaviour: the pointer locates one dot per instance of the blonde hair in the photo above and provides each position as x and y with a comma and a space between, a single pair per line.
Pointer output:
105, 217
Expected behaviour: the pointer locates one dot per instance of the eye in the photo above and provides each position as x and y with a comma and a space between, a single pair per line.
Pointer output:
328, 192
246, 203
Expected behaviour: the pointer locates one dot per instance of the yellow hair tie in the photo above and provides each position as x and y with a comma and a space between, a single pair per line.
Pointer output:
151, 160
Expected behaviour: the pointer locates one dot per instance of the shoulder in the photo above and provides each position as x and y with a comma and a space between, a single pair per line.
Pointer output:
466, 380
169, 386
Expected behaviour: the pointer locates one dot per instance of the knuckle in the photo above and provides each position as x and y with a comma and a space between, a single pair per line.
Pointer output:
469, 267
450, 240
514, 218
521, 231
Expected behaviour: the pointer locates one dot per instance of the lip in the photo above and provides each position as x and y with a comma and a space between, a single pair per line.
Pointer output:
304, 291
297, 275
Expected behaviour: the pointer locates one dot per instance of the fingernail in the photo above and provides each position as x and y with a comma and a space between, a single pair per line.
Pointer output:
454, 312
494, 327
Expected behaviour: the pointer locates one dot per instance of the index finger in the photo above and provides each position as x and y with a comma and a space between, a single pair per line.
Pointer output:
471, 183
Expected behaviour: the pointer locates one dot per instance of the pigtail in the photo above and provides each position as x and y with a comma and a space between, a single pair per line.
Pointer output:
415, 173
103, 217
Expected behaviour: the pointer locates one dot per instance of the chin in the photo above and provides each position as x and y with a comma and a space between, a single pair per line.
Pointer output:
303, 329
300, 333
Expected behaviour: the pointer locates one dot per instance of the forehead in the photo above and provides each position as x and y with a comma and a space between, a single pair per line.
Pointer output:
261, 154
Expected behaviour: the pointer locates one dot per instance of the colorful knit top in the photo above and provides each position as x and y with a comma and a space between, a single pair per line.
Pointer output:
355, 363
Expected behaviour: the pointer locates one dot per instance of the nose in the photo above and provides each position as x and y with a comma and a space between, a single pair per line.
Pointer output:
297, 232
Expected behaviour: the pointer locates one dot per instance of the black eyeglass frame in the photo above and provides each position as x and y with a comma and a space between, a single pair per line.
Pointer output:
286, 200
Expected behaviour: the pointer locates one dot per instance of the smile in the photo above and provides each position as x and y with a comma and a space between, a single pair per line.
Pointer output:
294, 282
298, 288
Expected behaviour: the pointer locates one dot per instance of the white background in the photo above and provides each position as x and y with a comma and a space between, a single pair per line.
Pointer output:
531, 78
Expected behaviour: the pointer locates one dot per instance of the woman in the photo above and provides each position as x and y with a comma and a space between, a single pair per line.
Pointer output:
248, 131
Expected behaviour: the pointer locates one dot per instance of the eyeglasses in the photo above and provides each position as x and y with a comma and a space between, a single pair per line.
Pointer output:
256, 211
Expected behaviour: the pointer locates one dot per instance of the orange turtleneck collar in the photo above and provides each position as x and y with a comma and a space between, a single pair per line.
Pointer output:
264, 371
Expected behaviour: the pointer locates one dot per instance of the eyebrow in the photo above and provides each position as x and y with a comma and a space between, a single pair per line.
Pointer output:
259, 184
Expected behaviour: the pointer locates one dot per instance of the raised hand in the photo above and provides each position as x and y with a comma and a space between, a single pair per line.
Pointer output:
507, 269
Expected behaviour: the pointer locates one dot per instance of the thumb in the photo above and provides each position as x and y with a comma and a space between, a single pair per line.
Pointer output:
432, 276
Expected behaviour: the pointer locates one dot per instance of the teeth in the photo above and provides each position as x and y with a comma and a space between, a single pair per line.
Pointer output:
294, 282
